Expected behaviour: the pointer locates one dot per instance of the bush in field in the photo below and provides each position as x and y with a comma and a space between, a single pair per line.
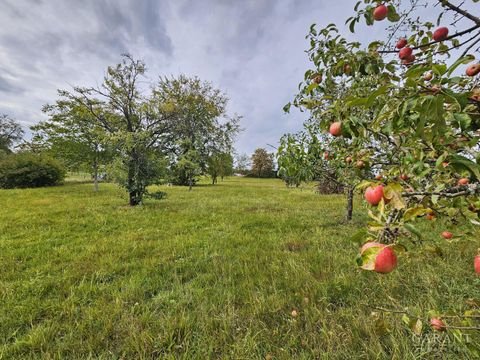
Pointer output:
26, 170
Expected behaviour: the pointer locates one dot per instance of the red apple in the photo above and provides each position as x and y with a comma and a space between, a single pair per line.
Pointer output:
440, 34
373, 195
430, 216
463, 181
404, 177
473, 69
348, 159
476, 264
401, 43
385, 261
336, 128
360, 164
409, 60
447, 235
380, 12
405, 53
437, 324
379, 177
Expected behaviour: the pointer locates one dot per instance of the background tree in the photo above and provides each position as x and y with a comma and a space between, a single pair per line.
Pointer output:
73, 135
306, 157
242, 163
220, 165
10, 133
134, 123
262, 163
201, 127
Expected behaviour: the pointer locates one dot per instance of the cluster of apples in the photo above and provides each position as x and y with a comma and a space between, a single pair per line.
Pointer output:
386, 259
405, 52
335, 130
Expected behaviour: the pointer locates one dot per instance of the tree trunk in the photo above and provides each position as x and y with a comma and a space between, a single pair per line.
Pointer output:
95, 174
190, 183
349, 203
134, 194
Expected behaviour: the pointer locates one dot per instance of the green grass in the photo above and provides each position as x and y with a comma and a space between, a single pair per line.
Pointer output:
214, 273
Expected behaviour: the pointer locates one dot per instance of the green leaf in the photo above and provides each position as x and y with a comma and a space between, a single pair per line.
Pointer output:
460, 61
461, 163
439, 69
373, 96
351, 27
393, 192
413, 230
416, 327
463, 121
359, 236
398, 248
412, 213
311, 87
367, 258
392, 14
364, 184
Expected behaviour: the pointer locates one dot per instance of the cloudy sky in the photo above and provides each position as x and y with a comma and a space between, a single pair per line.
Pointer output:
251, 49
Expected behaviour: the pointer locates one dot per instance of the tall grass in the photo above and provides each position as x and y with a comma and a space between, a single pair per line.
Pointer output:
216, 273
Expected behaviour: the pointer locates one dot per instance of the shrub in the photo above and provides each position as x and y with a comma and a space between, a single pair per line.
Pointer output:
29, 170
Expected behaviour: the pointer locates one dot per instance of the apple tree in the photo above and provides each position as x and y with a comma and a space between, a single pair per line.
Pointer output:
411, 106
417, 121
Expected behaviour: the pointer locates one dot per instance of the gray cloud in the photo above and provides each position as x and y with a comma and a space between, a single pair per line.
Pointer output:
7, 87
252, 49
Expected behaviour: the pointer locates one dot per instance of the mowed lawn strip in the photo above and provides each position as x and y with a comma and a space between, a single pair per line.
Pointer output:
215, 273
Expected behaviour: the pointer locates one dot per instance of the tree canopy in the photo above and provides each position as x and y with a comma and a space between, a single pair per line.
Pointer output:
10, 133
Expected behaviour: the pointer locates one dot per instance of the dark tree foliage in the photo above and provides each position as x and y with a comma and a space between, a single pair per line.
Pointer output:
262, 164
10, 133
26, 170
201, 129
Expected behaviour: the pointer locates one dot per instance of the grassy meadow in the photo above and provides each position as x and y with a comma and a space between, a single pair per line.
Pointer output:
216, 273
